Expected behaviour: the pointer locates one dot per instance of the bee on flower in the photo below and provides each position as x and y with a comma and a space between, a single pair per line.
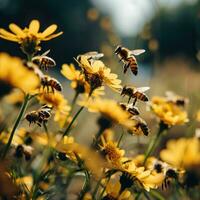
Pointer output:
78, 81
97, 74
59, 104
184, 154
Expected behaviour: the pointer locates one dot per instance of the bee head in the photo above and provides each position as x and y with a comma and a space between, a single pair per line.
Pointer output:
118, 49
28, 117
171, 173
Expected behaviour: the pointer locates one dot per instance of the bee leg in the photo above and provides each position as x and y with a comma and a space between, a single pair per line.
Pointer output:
126, 66
120, 60
47, 89
135, 100
52, 90
129, 99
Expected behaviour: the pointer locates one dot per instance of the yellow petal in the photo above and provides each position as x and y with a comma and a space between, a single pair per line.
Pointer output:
52, 36
17, 30
9, 38
6, 33
49, 30
34, 26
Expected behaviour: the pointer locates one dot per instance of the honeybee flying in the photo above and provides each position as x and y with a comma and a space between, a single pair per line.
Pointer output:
40, 116
140, 126
44, 61
91, 56
135, 93
178, 100
128, 58
130, 108
49, 82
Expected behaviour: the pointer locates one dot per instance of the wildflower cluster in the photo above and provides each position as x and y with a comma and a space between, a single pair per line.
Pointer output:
51, 158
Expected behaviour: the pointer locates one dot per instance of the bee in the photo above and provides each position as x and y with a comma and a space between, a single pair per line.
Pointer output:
170, 174
40, 116
48, 82
44, 61
128, 58
23, 150
135, 93
140, 126
91, 56
130, 108
178, 100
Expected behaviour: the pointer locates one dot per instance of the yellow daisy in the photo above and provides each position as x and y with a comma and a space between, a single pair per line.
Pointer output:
92, 160
13, 74
113, 192
78, 82
134, 171
97, 74
182, 153
168, 112
18, 137
113, 154
110, 110
59, 103
29, 38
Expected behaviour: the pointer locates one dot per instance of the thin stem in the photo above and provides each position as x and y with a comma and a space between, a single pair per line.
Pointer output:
86, 185
96, 189
20, 115
74, 99
155, 141
104, 188
120, 139
71, 123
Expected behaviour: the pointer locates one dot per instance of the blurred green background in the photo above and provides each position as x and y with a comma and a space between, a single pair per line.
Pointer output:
165, 28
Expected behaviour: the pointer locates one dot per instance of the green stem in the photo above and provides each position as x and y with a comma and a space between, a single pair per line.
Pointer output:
20, 115
96, 189
104, 188
71, 123
120, 139
86, 185
155, 141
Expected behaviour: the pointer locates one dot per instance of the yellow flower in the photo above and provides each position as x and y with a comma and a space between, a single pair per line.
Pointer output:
97, 74
59, 103
113, 192
168, 112
18, 137
183, 153
13, 74
79, 84
29, 38
110, 110
26, 182
135, 171
113, 154
92, 160
198, 116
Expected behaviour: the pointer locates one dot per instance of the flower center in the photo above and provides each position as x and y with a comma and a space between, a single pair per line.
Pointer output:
30, 45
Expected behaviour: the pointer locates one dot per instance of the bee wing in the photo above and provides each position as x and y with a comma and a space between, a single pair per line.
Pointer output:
137, 52
143, 89
169, 94
91, 53
45, 53
94, 54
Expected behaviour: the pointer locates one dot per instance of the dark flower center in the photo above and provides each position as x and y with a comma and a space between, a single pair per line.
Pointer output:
5, 88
